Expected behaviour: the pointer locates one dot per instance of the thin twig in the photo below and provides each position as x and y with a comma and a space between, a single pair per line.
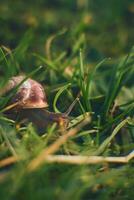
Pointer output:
76, 160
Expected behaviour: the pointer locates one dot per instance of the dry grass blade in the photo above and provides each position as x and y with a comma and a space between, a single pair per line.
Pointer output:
8, 161
10, 107
35, 163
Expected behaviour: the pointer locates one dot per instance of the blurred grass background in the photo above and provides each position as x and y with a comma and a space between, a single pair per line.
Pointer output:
51, 34
107, 25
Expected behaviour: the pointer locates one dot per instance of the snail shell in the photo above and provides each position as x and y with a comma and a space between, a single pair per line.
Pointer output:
30, 103
30, 94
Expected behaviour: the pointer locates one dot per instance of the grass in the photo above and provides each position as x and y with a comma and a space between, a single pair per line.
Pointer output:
87, 160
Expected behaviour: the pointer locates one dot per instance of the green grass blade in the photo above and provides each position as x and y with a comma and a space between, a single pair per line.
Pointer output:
57, 96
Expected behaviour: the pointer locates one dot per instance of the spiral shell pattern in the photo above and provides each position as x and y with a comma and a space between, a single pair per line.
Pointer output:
30, 93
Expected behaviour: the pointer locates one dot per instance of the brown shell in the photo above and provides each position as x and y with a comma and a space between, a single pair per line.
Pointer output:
30, 94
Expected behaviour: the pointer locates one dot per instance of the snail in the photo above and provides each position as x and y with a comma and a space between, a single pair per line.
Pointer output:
29, 103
